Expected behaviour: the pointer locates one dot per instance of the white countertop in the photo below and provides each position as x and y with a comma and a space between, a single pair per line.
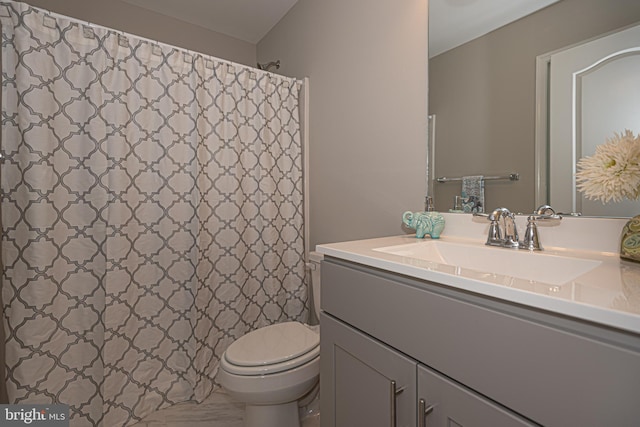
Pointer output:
607, 295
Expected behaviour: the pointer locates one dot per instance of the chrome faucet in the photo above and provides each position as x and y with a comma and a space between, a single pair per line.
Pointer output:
503, 231
506, 234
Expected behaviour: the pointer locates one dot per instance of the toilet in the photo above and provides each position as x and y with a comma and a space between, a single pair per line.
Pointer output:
273, 367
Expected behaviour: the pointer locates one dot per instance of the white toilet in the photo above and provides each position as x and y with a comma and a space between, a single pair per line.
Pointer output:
273, 367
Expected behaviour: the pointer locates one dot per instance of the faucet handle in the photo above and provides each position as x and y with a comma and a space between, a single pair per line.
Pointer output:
494, 237
544, 210
545, 217
531, 241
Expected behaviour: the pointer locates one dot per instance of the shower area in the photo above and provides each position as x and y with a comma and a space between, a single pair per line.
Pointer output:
152, 208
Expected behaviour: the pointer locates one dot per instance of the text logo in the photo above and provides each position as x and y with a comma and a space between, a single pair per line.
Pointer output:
34, 415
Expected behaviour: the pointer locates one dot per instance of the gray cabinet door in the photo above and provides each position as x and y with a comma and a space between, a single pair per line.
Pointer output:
363, 382
444, 403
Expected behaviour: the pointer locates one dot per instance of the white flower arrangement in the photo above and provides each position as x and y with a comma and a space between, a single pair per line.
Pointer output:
613, 172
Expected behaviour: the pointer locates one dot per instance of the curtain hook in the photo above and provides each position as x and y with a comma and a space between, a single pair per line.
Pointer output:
123, 40
49, 21
87, 31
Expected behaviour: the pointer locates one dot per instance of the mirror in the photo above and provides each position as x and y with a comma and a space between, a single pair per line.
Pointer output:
591, 92
483, 94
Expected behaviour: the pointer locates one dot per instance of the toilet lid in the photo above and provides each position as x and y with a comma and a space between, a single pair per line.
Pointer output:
273, 344
289, 365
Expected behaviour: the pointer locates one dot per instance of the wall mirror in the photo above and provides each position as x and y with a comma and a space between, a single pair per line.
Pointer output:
586, 94
483, 95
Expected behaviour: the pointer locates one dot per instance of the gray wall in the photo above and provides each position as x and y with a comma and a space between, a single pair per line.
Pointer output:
367, 64
132, 19
483, 95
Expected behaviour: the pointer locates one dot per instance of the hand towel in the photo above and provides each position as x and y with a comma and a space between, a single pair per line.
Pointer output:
473, 193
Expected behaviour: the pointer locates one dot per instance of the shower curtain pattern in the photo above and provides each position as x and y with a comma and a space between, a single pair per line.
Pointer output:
152, 213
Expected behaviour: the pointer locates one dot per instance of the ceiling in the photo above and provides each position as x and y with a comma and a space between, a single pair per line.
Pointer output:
451, 23
455, 22
248, 20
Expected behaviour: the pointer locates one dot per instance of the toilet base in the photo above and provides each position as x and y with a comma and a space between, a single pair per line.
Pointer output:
283, 415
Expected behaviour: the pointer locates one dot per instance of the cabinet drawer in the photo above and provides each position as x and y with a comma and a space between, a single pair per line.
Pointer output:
529, 361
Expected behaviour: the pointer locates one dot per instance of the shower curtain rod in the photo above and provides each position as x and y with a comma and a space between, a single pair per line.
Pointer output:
159, 43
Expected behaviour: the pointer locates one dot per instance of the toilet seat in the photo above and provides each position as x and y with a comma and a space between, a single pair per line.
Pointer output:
272, 349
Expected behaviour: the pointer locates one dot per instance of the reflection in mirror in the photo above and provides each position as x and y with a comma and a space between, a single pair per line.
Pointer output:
483, 93
592, 93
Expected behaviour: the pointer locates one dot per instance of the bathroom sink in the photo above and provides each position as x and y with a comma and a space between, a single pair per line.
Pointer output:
534, 266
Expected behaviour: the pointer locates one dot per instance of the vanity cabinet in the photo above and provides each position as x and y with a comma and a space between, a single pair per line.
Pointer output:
374, 385
474, 360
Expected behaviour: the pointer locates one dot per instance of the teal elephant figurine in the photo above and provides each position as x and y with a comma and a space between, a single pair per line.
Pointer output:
431, 223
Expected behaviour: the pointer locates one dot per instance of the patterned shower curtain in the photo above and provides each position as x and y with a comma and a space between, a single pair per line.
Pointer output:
152, 213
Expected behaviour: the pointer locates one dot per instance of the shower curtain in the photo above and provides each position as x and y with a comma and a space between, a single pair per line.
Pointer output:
152, 212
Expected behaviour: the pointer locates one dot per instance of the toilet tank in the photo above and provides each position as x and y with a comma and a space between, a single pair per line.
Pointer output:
314, 267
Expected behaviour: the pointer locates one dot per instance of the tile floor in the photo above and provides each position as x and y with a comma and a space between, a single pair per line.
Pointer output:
218, 410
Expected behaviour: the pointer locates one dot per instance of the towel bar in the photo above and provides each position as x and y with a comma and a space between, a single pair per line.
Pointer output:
510, 177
